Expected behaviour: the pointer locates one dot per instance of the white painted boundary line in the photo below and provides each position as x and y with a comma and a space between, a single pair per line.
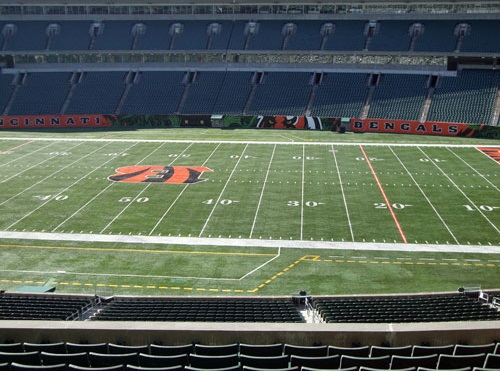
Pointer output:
262, 265
302, 193
343, 194
223, 189
262, 192
240, 242
425, 196
366, 144
462, 192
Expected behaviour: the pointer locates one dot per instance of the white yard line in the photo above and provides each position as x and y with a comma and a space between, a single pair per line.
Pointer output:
462, 192
246, 242
425, 196
262, 192
180, 194
343, 195
302, 193
473, 169
222, 192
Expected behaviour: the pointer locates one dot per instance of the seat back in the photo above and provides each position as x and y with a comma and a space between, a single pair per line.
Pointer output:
215, 362
449, 361
374, 362
170, 350
216, 350
305, 351
429, 361
148, 360
267, 350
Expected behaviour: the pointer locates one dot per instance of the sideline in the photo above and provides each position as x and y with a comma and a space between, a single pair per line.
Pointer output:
240, 242
441, 145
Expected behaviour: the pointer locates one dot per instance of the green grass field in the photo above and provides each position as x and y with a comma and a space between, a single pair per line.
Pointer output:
266, 212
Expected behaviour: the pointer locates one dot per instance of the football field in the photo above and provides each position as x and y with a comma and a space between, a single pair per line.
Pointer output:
166, 216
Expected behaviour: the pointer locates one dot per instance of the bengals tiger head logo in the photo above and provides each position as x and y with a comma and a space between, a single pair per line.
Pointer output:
159, 174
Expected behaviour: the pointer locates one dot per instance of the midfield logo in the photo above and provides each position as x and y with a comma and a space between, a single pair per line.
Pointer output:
159, 174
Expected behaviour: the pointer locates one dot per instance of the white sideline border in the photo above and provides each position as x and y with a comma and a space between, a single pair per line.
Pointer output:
242, 242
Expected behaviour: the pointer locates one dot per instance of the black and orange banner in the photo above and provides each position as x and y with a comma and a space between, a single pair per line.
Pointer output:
409, 127
250, 121
424, 128
53, 121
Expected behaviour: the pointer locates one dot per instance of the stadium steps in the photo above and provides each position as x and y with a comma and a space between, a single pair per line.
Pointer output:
366, 106
496, 110
427, 105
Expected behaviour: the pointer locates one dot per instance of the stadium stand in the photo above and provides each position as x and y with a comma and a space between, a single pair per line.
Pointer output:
466, 97
154, 92
329, 358
399, 97
14, 307
200, 311
422, 309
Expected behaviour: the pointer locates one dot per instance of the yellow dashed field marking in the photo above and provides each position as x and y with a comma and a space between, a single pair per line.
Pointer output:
420, 263
310, 258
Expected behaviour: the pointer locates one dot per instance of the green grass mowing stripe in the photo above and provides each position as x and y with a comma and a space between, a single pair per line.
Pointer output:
163, 216
263, 188
427, 219
279, 212
344, 200
384, 195
190, 212
219, 198
236, 210
325, 213
362, 193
